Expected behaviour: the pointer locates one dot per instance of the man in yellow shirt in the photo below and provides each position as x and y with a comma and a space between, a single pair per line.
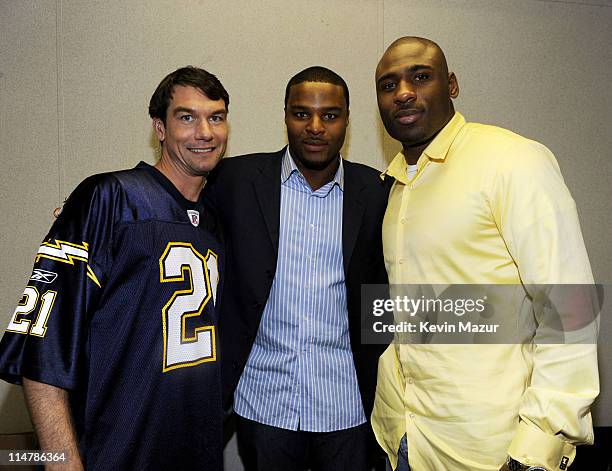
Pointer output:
475, 204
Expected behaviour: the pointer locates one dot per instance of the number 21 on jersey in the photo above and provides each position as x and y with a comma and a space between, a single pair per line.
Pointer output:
184, 347
29, 301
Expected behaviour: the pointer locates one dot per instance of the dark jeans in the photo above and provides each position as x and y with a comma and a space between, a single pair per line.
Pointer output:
266, 448
402, 456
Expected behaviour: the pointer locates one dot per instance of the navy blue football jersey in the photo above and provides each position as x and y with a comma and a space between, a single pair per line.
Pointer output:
121, 310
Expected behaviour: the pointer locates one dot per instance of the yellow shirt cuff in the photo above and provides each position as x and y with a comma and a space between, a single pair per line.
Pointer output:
533, 447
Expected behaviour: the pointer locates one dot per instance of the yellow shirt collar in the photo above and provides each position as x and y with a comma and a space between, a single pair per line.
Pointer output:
436, 150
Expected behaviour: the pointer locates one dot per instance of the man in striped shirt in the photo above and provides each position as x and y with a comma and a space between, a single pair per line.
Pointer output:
303, 232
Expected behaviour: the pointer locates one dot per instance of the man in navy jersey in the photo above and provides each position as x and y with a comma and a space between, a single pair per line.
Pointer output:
115, 338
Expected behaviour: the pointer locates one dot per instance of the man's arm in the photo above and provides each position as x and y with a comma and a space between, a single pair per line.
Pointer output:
50, 413
538, 221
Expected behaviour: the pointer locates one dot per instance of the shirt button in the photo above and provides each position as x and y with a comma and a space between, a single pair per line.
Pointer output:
404, 220
401, 261
410, 380
411, 415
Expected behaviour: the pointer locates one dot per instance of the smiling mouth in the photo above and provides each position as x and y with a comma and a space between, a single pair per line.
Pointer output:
201, 150
407, 116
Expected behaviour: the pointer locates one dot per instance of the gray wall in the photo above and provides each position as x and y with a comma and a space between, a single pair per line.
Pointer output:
76, 76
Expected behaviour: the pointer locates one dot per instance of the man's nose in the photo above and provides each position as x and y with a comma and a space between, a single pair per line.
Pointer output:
203, 130
315, 125
404, 92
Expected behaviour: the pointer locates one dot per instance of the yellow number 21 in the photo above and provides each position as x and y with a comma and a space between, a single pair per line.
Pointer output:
20, 324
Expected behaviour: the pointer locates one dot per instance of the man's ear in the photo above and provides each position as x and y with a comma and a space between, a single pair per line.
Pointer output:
159, 129
453, 85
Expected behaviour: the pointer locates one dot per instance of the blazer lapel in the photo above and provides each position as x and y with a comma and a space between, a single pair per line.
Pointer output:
267, 188
353, 207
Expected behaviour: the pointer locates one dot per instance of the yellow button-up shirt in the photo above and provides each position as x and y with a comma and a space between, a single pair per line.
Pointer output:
486, 206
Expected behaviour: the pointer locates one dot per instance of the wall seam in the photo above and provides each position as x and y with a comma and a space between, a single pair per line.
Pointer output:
569, 2
381, 49
59, 58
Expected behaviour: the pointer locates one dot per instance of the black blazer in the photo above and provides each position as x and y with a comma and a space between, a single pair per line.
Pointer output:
244, 192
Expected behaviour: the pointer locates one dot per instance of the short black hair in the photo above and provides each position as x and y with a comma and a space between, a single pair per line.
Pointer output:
318, 74
188, 76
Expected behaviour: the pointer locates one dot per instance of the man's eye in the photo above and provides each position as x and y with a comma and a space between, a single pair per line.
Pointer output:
186, 118
329, 116
421, 76
301, 114
387, 86
216, 119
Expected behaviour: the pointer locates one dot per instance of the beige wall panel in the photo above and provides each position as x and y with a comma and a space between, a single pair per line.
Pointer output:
108, 76
29, 142
542, 69
115, 53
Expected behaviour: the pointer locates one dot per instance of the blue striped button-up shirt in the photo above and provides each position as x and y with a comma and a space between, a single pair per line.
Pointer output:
300, 373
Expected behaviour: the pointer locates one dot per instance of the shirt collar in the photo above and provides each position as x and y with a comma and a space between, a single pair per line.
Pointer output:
436, 150
288, 167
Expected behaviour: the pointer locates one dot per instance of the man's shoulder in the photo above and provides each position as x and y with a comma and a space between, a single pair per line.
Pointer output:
100, 192
362, 169
99, 183
114, 177
368, 176
107, 183
503, 145
497, 135
255, 159
243, 168
506, 156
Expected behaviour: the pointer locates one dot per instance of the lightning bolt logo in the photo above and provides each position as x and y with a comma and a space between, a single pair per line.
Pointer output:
67, 252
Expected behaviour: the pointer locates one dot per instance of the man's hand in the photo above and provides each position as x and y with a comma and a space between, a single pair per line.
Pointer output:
57, 211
